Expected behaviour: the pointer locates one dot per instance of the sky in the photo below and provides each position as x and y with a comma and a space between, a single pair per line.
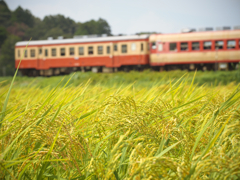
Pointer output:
132, 16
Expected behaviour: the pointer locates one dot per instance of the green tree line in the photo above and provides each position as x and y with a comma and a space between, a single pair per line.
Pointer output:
21, 24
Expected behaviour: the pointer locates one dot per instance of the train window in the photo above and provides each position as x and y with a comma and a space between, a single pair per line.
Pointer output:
124, 48
115, 47
133, 46
160, 47
195, 46
90, 50
25, 53
184, 46
218, 44
100, 50
153, 45
62, 51
207, 45
54, 52
19, 53
32, 52
40, 51
71, 51
108, 49
46, 52
141, 46
81, 50
231, 44
173, 46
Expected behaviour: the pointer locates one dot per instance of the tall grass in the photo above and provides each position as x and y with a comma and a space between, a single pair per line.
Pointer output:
141, 79
176, 130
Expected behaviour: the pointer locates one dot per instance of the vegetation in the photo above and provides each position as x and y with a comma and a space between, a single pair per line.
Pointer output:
8, 67
145, 79
22, 25
137, 125
170, 130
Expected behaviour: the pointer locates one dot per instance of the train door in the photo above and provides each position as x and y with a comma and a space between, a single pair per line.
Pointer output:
160, 47
141, 52
137, 53
40, 56
161, 59
115, 55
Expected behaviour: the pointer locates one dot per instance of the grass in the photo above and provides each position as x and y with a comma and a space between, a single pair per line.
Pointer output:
146, 79
129, 128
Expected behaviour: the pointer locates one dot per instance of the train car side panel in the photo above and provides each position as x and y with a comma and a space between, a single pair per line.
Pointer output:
195, 48
55, 54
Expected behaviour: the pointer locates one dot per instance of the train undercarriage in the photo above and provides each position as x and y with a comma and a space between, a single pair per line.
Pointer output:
200, 67
68, 70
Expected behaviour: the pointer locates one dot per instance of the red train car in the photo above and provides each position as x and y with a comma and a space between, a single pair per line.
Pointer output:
52, 57
195, 50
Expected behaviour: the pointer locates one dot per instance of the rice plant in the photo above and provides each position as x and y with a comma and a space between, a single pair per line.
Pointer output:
175, 130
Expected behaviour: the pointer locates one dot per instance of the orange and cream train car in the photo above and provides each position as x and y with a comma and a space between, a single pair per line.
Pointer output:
209, 50
53, 57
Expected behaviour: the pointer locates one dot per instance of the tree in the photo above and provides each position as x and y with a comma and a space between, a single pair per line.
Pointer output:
37, 32
67, 25
81, 30
3, 35
23, 16
149, 33
93, 27
18, 29
103, 27
5, 14
7, 57
54, 32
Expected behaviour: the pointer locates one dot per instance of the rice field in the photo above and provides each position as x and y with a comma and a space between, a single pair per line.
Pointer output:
174, 129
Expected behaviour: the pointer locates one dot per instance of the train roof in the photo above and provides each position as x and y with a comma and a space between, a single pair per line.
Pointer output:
196, 36
81, 40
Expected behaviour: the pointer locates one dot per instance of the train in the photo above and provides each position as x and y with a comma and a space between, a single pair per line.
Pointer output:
205, 50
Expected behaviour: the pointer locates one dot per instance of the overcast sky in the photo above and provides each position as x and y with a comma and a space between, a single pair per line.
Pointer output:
131, 16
